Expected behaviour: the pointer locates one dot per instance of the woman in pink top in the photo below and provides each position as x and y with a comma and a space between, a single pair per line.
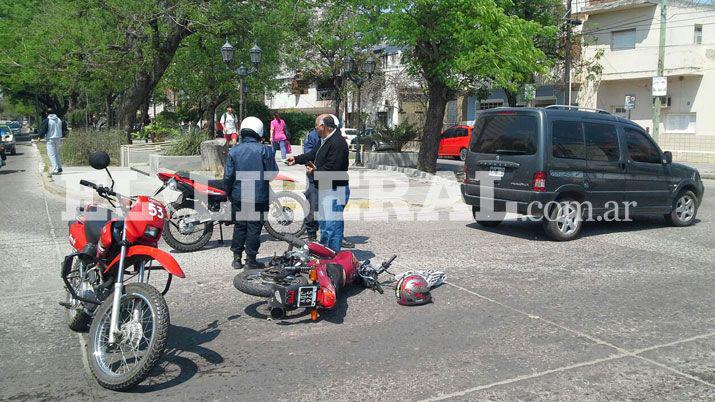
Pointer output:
279, 137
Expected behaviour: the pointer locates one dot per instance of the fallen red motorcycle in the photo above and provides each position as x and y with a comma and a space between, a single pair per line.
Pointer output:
308, 275
204, 204
129, 323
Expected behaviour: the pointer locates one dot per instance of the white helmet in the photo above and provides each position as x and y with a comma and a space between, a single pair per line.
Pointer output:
254, 124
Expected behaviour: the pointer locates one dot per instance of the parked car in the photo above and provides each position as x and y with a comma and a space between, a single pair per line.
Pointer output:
579, 160
454, 142
371, 140
349, 134
8, 139
15, 127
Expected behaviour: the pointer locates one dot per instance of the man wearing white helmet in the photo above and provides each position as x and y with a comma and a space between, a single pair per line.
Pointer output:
249, 168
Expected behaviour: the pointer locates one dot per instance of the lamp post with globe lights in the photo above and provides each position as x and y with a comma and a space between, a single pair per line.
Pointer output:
227, 53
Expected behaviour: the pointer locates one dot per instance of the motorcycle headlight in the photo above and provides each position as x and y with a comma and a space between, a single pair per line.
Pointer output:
172, 184
151, 232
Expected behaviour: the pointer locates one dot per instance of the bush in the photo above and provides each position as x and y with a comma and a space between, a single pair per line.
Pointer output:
398, 136
298, 123
159, 130
188, 143
78, 144
260, 110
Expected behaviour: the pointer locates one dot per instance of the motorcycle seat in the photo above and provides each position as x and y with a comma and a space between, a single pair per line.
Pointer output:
217, 184
95, 219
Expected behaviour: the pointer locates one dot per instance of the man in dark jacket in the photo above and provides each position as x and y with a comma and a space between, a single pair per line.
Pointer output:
249, 168
330, 161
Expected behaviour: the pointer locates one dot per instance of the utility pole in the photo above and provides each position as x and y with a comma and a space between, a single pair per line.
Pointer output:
661, 55
567, 61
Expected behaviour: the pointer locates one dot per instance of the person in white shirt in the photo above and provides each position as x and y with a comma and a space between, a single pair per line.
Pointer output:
228, 121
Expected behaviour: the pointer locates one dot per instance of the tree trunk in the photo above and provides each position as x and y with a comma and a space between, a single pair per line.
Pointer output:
146, 79
213, 155
427, 158
511, 98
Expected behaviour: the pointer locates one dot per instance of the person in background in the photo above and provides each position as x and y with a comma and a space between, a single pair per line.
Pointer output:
329, 163
53, 129
249, 168
228, 122
312, 141
279, 137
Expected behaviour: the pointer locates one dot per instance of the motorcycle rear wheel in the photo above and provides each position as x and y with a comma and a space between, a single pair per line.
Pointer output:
141, 306
173, 236
286, 215
77, 318
253, 283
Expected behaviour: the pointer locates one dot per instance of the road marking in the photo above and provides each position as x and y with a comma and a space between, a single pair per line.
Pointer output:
621, 352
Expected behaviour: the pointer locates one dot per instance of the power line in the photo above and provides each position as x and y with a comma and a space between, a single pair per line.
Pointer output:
628, 26
635, 21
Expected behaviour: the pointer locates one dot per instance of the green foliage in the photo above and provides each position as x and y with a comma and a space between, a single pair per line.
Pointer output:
260, 110
77, 146
187, 144
161, 129
298, 122
167, 118
397, 137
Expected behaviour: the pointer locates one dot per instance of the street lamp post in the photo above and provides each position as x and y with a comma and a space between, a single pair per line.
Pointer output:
359, 76
227, 53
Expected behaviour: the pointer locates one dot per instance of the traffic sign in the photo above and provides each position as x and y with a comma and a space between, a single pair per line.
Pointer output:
660, 86
630, 102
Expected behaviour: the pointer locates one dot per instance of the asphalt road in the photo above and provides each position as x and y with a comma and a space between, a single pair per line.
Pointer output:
625, 312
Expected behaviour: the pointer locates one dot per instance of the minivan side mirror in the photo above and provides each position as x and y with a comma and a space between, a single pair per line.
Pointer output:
668, 157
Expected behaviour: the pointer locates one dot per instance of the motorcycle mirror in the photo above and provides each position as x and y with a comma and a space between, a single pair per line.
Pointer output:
99, 160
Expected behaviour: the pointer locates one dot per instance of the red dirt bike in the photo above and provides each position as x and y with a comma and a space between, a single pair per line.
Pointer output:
308, 275
204, 203
129, 325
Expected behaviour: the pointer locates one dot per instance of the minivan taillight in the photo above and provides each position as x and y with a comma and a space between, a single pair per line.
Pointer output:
539, 183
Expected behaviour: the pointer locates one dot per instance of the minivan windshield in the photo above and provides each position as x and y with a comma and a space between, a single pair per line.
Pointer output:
507, 134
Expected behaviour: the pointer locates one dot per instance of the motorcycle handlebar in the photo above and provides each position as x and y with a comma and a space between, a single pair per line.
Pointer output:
87, 184
389, 262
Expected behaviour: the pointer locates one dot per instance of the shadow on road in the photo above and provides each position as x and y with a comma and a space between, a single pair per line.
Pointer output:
530, 230
5, 171
176, 367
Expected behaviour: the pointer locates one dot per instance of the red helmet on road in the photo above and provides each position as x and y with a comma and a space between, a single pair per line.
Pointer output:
413, 290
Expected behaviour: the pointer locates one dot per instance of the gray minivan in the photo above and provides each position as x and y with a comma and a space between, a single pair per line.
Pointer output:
564, 165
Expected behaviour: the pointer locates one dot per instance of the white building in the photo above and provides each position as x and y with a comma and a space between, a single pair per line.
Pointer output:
628, 34
302, 95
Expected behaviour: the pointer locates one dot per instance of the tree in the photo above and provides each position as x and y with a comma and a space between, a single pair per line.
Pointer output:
456, 45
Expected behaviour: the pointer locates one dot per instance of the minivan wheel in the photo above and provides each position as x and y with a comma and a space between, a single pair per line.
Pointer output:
488, 220
463, 154
685, 208
563, 222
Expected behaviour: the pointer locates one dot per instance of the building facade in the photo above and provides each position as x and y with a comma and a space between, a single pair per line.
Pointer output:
627, 34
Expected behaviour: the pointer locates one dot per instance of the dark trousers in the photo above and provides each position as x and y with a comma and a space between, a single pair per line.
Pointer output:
247, 229
311, 194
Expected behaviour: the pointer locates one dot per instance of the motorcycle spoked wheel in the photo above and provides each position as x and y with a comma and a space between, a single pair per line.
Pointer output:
185, 242
286, 215
143, 324
260, 282
77, 318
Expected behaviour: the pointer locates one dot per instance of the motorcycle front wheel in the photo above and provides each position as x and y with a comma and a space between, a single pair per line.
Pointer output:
182, 233
286, 215
255, 282
143, 327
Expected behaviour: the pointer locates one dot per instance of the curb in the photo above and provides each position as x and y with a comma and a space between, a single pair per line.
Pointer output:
48, 184
411, 172
708, 175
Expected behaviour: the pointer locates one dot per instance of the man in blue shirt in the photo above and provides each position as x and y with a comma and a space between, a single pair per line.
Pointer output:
311, 192
249, 168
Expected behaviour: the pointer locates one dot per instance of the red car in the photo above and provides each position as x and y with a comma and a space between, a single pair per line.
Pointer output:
455, 142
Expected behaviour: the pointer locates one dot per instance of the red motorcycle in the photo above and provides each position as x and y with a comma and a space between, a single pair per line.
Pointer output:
203, 204
308, 275
129, 324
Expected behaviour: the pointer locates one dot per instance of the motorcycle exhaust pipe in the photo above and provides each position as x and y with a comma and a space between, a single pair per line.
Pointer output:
277, 313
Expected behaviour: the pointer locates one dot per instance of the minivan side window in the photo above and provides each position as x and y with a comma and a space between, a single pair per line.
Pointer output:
601, 142
640, 148
512, 134
460, 132
567, 140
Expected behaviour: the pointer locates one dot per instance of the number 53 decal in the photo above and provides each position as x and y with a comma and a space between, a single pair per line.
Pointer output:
156, 210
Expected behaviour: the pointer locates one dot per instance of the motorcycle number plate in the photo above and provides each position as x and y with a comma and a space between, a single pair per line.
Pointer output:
307, 296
